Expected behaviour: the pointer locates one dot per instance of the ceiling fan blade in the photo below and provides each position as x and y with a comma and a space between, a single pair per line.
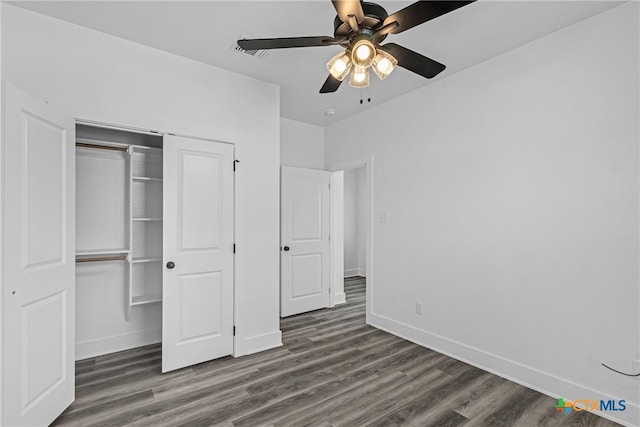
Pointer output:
349, 7
330, 85
286, 42
413, 61
420, 12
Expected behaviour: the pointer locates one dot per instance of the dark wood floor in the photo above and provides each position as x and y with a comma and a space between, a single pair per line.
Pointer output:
332, 370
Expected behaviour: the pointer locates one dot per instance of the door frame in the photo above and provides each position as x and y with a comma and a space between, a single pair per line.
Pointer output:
354, 163
105, 125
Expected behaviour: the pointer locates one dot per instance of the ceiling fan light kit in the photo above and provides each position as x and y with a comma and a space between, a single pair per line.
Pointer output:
362, 53
340, 65
384, 64
359, 78
360, 28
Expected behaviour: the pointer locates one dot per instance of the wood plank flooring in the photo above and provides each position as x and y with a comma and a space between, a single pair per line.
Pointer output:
333, 370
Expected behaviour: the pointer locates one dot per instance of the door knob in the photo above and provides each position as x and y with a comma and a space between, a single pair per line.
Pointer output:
170, 265
286, 249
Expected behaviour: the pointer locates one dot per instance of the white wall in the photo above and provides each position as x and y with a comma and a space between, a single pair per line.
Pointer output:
512, 195
355, 238
99, 77
301, 144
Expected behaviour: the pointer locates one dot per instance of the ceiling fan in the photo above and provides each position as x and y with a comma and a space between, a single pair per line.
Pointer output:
359, 28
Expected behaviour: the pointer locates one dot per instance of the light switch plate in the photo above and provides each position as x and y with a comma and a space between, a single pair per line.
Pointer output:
383, 218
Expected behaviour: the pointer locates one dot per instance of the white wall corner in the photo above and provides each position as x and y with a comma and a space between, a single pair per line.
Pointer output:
257, 343
301, 144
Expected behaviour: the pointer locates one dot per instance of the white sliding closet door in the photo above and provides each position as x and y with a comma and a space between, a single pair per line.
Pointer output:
197, 307
38, 261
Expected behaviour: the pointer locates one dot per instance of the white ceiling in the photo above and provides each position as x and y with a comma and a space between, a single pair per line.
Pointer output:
206, 31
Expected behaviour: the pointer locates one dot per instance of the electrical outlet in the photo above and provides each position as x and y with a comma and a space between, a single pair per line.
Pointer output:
419, 308
635, 368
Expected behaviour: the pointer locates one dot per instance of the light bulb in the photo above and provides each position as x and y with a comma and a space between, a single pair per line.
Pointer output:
363, 52
358, 76
383, 65
340, 65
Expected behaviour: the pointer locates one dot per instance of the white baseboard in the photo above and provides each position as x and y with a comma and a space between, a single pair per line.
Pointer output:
527, 376
354, 272
339, 298
122, 342
254, 344
100, 346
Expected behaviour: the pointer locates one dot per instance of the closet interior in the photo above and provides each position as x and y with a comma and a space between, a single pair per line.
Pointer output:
118, 239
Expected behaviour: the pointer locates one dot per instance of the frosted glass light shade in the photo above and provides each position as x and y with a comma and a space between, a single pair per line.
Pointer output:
384, 64
362, 53
339, 65
359, 77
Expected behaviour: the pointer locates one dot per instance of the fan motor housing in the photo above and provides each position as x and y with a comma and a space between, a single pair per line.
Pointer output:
374, 16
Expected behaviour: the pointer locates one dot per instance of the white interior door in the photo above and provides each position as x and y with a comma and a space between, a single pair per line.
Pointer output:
38, 260
197, 281
304, 253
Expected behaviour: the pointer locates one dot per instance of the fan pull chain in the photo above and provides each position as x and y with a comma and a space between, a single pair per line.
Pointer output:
362, 95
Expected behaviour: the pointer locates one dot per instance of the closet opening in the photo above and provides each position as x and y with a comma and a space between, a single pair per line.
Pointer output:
154, 244
118, 240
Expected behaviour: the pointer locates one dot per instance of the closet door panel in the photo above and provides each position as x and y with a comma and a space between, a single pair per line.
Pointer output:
199, 319
200, 201
38, 283
198, 240
43, 156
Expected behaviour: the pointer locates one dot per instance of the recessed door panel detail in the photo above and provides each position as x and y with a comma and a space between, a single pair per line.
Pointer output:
200, 189
201, 305
44, 196
306, 271
43, 348
307, 209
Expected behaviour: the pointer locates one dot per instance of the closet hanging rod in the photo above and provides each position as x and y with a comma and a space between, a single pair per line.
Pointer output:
102, 258
100, 147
